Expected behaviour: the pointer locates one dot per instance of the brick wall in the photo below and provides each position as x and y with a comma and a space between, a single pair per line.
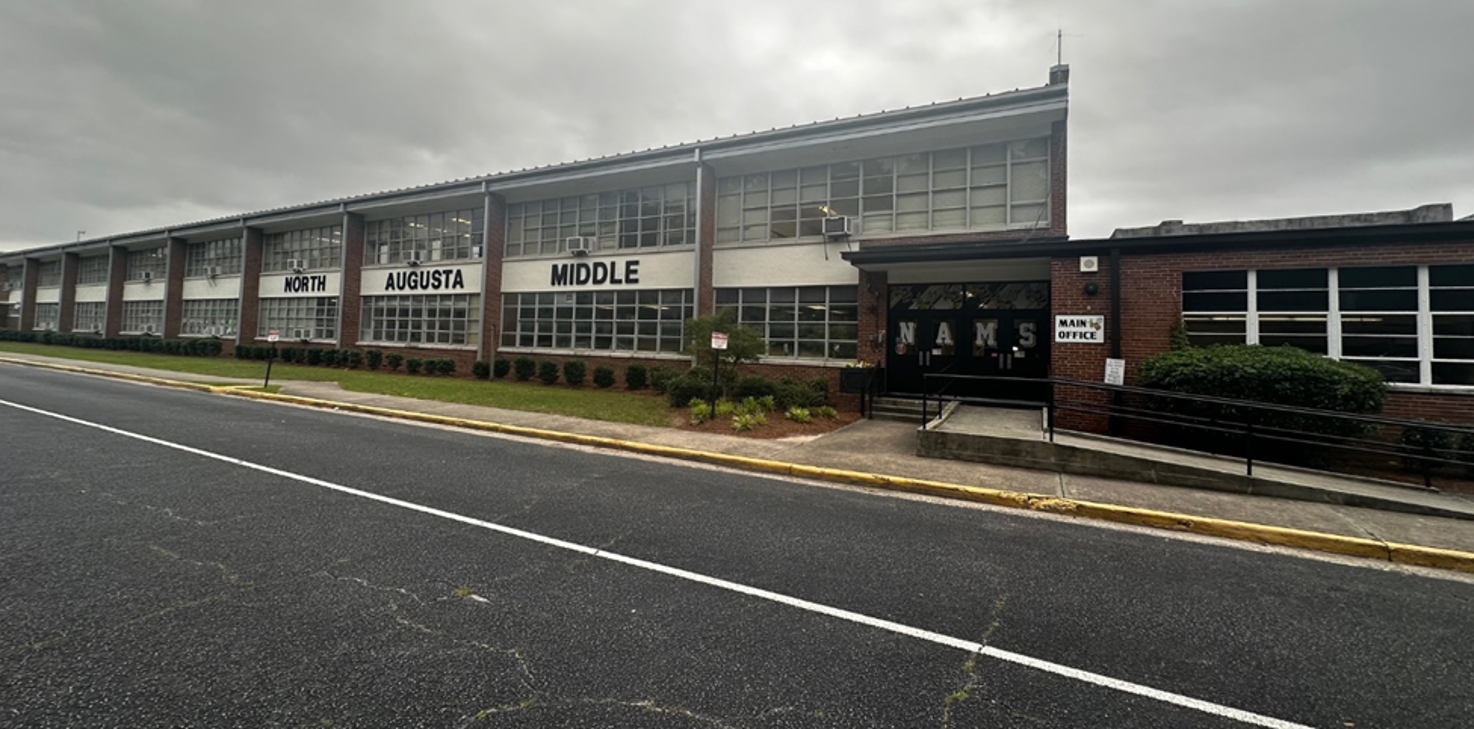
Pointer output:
493, 256
32, 276
874, 311
349, 310
1077, 361
117, 271
252, 251
706, 242
174, 287
1151, 304
69, 266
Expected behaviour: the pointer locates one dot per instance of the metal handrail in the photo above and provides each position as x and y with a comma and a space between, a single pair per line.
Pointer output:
1248, 423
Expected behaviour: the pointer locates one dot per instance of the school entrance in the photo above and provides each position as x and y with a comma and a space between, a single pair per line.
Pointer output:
997, 329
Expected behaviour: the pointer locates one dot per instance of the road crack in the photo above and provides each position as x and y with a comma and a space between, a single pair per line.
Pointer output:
972, 680
645, 705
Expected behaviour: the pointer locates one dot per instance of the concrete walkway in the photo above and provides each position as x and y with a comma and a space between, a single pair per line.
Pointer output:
889, 448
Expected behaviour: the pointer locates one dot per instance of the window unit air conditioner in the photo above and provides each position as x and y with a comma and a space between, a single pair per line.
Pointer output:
212, 271
297, 266
837, 226
412, 258
299, 334
475, 251
148, 276
579, 245
212, 331
148, 329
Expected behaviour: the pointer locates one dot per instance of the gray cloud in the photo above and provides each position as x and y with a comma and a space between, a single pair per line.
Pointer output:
122, 116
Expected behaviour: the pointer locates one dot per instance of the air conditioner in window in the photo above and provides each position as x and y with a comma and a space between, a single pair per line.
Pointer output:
4, 285
299, 334
297, 266
413, 258
148, 329
475, 251
579, 245
212, 331
212, 271
837, 226
148, 276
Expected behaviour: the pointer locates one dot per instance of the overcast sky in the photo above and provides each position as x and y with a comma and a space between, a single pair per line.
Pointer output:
120, 115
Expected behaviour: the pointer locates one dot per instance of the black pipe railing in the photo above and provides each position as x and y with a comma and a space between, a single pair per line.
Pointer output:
1245, 422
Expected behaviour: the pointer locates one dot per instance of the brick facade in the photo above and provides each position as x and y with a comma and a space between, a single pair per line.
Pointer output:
67, 320
349, 309
253, 247
706, 237
117, 270
174, 287
32, 276
491, 283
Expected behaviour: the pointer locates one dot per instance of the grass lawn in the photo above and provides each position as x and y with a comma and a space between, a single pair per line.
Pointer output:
609, 405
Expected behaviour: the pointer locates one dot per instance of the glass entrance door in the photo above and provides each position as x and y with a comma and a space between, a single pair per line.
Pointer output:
994, 329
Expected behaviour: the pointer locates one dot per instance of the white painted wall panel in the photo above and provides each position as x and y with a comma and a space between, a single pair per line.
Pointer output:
223, 287
48, 295
143, 291
653, 269
292, 285
782, 265
91, 293
428, 278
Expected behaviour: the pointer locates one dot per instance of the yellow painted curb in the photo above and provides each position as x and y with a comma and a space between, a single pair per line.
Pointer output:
1408, 554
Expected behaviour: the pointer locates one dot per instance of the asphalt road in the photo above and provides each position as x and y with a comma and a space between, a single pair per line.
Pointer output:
142, 584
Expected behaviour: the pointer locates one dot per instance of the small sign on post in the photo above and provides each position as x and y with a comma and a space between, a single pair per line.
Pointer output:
1115, 371
718, 340
718, 344
272, 336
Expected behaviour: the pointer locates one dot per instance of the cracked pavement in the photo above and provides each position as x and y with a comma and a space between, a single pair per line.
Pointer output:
146, 587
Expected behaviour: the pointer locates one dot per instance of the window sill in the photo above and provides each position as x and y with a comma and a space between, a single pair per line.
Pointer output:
599, 253
422, 264
605, 353
1431, 389
419, 345
203, 277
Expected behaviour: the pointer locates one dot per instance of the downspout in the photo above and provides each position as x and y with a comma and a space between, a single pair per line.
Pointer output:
696, 309
342, 279
484, 349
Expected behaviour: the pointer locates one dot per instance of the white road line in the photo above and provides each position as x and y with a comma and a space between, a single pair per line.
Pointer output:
969, 646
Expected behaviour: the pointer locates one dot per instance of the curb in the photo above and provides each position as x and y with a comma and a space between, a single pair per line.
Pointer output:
1408, 554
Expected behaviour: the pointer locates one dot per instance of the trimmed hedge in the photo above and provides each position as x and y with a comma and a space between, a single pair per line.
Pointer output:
1276, 375
636, 377
574, 371
191, 347
500, 368
524, 368
604, 376
481, 369
547, 372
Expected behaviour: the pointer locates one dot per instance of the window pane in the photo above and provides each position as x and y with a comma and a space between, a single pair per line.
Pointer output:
1225, 301
1380, 300
1462, 275
1293, 278
1378, 277
1452, 299
1293, 300
1215, 280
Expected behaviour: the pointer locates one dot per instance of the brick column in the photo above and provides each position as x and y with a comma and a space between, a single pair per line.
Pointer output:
32, 275
1080, 361
69, 265
1058, 179
250, 303
492, 253
4, 297
174, 287
117, 271
706, 236
349, 310
874, 311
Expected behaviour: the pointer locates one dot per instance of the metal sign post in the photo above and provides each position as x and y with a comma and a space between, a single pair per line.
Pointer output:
271, 336
718, 344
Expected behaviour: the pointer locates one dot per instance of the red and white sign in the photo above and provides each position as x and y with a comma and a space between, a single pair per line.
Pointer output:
718, 340
273, 336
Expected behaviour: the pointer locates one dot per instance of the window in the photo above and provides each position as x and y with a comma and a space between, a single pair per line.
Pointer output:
88, 316
299, 318
652, 320
15, 280
49, 274
48, 316
808, 321
209, 317
312, 249
92, 270
447, 236
453, 319
1413, 323
146, 264
662, 215
143, 317
988, 187
223, 256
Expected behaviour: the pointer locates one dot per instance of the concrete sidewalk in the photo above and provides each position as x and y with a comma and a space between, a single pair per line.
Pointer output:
889, 448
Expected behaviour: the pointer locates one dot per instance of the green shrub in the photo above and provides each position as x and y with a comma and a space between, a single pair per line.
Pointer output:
826, 412
791, 393
1277, 375
329, 357
604, 376
820, 387
351, 358
413, 365
445, 367
574, 371
394, 359
481, 369
748, 421
750, 405
755, 386
700, 412
636, 377
500, 367
799, 415
724, 408
547, 372
694, 385
524, 368
373, 358
1178, 339
314, 357
660, 377
768, 403
1427, 443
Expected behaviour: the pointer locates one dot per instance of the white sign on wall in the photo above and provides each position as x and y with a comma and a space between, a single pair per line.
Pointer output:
1079, 329
1115, 371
